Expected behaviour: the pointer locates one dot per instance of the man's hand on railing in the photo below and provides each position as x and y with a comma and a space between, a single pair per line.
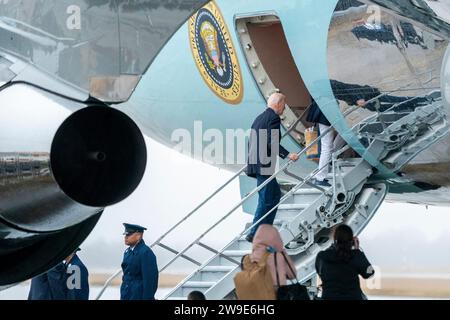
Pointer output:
361, 103
293, 156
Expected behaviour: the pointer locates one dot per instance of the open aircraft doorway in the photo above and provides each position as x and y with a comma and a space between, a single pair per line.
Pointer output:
272, 65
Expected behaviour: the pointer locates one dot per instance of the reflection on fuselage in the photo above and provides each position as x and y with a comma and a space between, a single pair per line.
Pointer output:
392, 55
20, 166
98, 46
385, 34
394, 59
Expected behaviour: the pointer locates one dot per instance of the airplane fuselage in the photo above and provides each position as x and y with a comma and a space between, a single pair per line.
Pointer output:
179, 91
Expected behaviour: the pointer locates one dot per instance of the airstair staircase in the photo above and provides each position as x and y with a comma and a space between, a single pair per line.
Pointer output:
306, 212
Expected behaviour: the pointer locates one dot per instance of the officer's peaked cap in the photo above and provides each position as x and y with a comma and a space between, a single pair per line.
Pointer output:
132, 228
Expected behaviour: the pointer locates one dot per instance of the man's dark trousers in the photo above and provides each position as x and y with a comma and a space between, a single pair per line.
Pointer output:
269, 196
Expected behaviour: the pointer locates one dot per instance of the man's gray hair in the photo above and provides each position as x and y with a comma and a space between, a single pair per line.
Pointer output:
275, 99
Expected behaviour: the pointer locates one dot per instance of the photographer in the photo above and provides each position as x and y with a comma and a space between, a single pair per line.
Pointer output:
340, 265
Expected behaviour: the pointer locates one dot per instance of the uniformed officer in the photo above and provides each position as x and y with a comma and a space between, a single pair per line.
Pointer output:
140, 270
77, 278
49, 285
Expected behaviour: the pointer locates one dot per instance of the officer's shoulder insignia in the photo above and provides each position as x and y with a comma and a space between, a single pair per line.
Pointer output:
214, 53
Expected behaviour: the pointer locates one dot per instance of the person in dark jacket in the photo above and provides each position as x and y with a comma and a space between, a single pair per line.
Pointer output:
49, 285
140, 269
351, 94
340, 266
40, 288
264, 147
196, 295
77, 278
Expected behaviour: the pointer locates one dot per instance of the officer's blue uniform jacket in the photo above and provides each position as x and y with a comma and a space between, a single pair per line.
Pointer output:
140, 273
83, 292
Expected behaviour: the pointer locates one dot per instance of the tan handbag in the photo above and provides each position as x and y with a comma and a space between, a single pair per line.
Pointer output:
313, 153
255, 281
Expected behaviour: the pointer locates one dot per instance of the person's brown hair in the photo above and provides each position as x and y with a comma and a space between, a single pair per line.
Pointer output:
343, 241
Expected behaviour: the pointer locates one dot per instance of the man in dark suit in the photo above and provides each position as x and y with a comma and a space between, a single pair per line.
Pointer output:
264, 147
39, 289
77, 278
140, 269
49, 285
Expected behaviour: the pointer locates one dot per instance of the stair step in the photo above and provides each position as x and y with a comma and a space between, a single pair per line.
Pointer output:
242, 239
393, 116
199, 284
280, 222
293, 206
214, 272
310, 191
236, 253
217, 277
218, 269
241, 244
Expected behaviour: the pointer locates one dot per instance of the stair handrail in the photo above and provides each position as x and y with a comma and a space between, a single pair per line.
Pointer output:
254, 191
247, 197
303, 181
107, 283
212, 195
205, 201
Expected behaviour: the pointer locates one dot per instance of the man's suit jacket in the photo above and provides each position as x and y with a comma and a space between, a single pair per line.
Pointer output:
49, 285
265, 128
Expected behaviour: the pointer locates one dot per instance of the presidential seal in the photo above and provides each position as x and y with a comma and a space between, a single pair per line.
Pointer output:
214, 53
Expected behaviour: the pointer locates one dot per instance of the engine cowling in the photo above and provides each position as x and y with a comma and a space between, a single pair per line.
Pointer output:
61, 164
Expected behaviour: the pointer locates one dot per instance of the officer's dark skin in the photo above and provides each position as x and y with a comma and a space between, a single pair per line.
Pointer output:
69, 258
133, 239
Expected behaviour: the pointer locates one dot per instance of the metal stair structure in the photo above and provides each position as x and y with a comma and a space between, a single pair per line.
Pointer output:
306, 212
304, 218
398, 134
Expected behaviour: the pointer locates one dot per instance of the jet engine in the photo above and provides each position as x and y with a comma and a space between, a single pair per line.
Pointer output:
61, 163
